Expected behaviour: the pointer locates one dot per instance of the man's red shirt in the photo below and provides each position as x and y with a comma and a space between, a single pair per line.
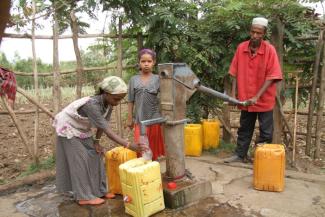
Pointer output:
252, 71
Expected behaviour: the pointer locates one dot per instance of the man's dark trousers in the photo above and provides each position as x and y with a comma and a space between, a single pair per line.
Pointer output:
246, 130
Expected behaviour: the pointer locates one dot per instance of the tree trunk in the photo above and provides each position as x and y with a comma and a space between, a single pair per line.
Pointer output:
226, 136
56, 65
319, 47
139, 41
279, 104
36, 129
56, 73
320, 109
277, 41
119, 71
5, 16
75, 31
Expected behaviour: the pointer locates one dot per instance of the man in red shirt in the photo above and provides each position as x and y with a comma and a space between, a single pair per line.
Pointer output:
255, 70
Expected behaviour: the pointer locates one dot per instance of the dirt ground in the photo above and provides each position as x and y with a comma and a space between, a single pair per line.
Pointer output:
14, 158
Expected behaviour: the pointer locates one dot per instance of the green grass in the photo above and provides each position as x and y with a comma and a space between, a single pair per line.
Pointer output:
45, 94
2, 182
46, 164
223, 147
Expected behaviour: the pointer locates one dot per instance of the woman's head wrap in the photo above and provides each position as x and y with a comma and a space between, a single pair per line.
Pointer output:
112, 85
147, 51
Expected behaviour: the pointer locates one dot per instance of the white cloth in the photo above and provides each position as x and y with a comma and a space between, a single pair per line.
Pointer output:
112, 85
260, 21
68, 123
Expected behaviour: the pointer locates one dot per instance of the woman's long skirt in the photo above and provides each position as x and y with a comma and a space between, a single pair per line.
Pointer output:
79, 168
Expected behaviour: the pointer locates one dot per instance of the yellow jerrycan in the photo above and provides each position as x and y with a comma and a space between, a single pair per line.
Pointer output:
113, 159
269, 167
211, 133
142, 187
193, 139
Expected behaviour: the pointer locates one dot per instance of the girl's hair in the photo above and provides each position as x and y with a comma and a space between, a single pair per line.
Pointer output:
147, 51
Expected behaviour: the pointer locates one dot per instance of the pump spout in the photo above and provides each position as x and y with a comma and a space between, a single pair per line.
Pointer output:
150, 122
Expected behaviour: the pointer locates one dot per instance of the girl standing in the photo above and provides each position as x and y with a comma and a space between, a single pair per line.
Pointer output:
143, 102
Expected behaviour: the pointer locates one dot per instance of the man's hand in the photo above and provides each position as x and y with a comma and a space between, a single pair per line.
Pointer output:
252, 101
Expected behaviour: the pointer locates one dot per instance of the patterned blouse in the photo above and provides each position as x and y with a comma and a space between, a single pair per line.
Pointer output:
145, 97
77, 119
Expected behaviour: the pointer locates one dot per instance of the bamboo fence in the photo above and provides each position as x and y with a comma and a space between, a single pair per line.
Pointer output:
280, 120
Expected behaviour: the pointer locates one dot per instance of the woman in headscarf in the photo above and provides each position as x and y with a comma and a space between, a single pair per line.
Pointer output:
79, 167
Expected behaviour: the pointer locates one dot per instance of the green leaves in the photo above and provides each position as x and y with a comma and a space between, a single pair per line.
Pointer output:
203, 34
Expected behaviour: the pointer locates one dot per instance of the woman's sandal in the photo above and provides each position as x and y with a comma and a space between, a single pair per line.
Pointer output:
110, 195
95, 201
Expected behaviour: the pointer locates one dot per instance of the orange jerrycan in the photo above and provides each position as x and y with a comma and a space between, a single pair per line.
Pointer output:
142, 187
113, 159
269, 167
211, 133
193, 139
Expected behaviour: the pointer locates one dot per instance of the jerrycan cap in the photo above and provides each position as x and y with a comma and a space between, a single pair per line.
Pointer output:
171, 185
127, 199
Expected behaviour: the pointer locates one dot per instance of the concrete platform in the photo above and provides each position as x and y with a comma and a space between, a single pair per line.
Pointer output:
232, 196
188, 192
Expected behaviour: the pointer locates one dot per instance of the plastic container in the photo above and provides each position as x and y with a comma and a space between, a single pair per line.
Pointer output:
211, 133
141, 187
269, 167
113, 159
147, 155
193, 139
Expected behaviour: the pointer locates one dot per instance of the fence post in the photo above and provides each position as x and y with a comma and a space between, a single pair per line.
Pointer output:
120, 74
320, 109
35, 72
56, 64
319, 47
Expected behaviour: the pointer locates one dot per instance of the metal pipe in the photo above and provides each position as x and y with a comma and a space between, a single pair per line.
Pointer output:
150, 122
222, 96
197, 84
183, 121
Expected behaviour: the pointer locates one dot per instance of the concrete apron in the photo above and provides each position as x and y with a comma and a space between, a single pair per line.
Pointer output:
232, 195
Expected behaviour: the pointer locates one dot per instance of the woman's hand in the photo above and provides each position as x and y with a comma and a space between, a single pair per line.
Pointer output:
130, 123
99, 149
138, 147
